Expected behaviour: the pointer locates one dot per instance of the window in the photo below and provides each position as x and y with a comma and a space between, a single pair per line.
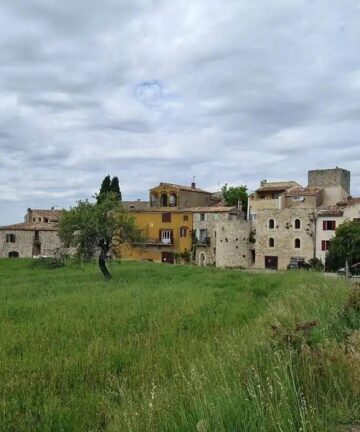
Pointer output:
154, 199
183, 231
164, 200
166, 236
253, 216
216, 216
325, 245
271, 224
297, 243
297, 224
357, 220
271, 242
46, 220
34, 219
10, 238
214, 250
39, 219
202, 216
166, 217
186, 218
173, 200
329, 225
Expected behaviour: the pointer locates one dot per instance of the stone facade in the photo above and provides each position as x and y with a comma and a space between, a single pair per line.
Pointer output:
233, 246
282, 235
27, 243
37, 236
206, 222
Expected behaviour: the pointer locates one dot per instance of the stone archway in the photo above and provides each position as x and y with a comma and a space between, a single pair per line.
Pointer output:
202, 259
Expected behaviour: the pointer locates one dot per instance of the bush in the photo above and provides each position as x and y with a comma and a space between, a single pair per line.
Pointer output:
316, 264
47, 263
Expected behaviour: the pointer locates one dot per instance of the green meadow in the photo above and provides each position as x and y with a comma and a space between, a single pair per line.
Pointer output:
176, 348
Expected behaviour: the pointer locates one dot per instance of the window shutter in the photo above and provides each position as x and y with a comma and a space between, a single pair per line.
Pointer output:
160, 235
324, 225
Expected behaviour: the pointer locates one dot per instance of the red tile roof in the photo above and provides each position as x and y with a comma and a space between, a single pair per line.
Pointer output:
304, 191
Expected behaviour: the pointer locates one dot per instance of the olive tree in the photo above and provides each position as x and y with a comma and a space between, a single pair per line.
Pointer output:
98, 228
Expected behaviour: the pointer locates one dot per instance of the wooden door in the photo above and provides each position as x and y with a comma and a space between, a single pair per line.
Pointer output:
271, 262
167, 257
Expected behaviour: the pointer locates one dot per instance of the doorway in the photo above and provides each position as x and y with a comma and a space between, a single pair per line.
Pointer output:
271, 262
167, 257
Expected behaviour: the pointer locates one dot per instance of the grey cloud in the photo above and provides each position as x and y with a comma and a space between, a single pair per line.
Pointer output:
153, 90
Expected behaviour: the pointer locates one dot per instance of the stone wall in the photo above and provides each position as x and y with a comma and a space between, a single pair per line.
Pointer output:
284, 234
232, 244
24, 241
205, 254
336, 177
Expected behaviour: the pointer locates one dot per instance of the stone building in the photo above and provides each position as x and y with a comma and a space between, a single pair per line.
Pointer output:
36, 236
206, 226
284, 216
233, 244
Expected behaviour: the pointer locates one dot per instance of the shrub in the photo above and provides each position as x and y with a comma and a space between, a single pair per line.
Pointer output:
47, 263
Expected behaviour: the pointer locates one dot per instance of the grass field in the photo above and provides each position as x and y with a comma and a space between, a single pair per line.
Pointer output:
176, 348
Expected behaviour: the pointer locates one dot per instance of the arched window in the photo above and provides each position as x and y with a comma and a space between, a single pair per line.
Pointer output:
271, 224
271, 242
154, 199
173, 200
164, 200
13, 254
297, 243
297, 224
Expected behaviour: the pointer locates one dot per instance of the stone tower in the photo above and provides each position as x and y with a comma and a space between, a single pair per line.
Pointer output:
335, 182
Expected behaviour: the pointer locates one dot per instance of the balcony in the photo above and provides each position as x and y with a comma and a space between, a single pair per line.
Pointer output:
154, 242
203, 241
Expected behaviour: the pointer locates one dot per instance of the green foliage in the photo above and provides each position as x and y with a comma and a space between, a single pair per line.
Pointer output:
345, 246
109, 185
88, 226
232, 195
316, 264
47, 263
167, 348
115, 188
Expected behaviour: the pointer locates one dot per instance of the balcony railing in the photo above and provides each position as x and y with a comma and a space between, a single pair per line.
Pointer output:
154, 242
203, 241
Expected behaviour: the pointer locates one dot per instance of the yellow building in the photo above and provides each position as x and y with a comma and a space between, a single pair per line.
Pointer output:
166, 222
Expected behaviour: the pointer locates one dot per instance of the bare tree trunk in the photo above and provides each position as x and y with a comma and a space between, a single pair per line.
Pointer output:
102, 262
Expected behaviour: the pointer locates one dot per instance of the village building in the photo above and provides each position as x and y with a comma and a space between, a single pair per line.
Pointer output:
283, 216
36, 236
331, 218
166, 222
206, 221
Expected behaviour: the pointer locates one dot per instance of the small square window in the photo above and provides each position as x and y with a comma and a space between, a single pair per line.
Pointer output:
166, 217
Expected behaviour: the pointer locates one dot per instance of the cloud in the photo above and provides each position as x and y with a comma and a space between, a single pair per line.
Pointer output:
152, 90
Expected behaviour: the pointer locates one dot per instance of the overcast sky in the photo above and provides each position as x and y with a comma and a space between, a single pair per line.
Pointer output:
226, 90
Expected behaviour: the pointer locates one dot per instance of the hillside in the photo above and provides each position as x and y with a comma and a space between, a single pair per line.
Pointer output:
176, 348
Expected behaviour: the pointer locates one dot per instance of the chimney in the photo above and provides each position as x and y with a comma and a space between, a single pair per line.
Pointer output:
193, 185
29, 214
263, 182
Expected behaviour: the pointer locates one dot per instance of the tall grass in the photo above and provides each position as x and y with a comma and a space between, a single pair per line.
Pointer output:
175, 348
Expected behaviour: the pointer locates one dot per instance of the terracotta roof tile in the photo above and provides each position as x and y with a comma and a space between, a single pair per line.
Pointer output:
304, 191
